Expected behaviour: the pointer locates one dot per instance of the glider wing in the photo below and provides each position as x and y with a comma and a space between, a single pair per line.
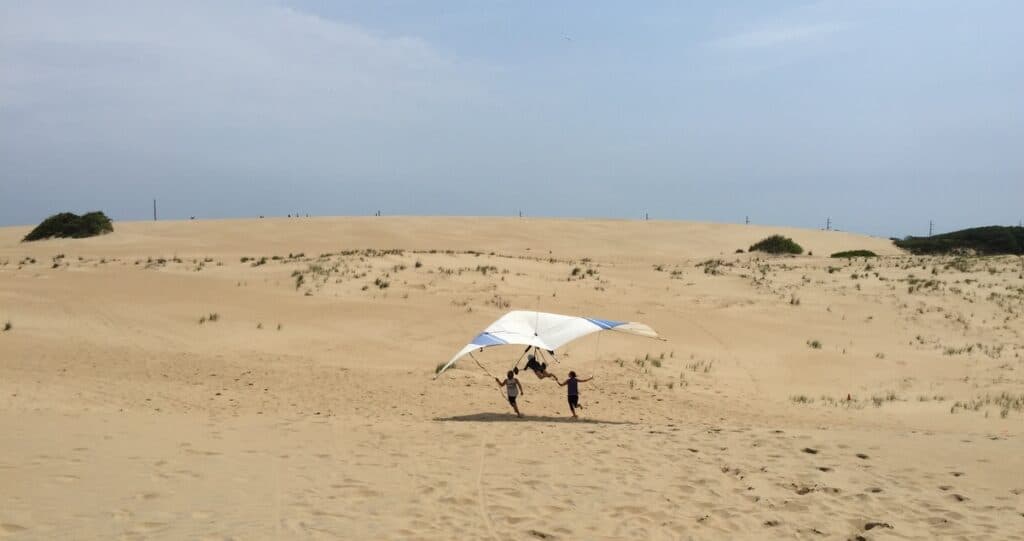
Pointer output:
543, 330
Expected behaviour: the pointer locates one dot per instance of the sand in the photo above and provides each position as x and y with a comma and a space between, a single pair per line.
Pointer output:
305, 406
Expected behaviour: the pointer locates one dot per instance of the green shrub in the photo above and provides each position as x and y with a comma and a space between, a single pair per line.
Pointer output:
777, 244
67, 224
989, 240
855, 253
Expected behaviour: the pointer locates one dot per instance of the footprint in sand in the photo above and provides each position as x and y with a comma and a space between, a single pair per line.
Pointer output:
152, 526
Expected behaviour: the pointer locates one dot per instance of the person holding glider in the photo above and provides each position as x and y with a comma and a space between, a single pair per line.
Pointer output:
574, 390
540, 369
513, 389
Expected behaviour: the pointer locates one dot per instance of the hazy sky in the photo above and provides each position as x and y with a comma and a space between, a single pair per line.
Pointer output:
879, 114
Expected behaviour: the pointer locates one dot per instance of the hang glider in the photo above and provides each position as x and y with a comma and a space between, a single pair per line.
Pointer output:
543, 330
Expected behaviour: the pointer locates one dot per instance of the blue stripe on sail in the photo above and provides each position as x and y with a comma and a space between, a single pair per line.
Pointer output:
487, 339
604, 323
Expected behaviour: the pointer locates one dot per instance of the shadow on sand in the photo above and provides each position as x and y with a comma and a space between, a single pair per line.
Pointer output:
511, 418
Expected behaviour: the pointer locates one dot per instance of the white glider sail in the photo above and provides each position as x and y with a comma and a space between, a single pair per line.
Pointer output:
543, 330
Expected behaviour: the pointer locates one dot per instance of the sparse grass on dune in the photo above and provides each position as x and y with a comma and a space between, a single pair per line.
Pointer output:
1005, 402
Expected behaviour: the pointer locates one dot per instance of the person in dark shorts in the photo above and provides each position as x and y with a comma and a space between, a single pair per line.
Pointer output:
540, 369
513, 389
574, 391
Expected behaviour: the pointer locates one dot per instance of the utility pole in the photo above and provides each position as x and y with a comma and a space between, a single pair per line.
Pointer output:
154, 210
930, 227
828, 224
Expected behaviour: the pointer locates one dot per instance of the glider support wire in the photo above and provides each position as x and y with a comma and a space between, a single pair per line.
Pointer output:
480, 365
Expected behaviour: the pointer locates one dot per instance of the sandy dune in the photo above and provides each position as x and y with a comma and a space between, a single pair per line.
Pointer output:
155, 385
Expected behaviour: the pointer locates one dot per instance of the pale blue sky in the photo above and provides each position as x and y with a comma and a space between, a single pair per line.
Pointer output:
879, 114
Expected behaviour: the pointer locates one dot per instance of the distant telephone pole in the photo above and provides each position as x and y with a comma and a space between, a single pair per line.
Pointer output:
154, 210
931, 227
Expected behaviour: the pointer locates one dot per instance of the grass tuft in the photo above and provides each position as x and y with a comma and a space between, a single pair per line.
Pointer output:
849, 254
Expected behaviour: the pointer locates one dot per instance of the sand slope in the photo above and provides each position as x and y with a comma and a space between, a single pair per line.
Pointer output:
305, 408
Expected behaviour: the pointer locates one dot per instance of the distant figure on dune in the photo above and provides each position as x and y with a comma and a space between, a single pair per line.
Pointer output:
513, 389
574, 391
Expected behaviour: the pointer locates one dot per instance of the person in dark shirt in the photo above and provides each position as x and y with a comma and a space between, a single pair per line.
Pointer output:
574, 391
540, 369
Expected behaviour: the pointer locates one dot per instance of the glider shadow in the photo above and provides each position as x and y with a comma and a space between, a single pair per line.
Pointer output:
509, 418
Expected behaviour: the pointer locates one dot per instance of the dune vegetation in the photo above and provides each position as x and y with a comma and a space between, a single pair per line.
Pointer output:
69, 224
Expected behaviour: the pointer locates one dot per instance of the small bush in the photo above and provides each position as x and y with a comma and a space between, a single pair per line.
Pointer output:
855, 253
814, 344
8, 326
777, 244
68, 224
